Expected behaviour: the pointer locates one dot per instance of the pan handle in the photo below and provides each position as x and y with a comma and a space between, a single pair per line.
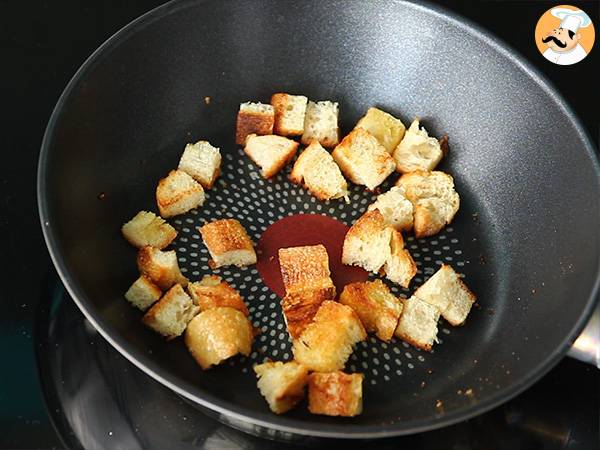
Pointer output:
586, 347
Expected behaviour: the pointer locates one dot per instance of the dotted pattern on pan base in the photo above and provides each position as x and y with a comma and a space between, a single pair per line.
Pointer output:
241, 193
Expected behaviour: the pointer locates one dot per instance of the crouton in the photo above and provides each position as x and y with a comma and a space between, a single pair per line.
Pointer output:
363, 160
172, 313
396, 209
418, 323
202, 162
148, 229
367, 243
388, 130
300, 307
178, 193
327, 342
271, 153
335, 394
212, 292
399, 266
306, 268
143, 293
417, 151
217, 334
318, 172
281, 384
161, 267
228, 243
321, 124
289, 114
375, 305
446, 291
254, 118
434, 200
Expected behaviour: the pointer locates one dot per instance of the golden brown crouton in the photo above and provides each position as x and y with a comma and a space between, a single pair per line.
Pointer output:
228, 243
281, 384
306, 268
418, 323
367, 243
271, 153
327, 342
178, 193
335, 394
212, 292
289, 114
254, 118
299, 308
217, 334
143, 293
172, 313
161, 267
375, 305
386, 128
148, 229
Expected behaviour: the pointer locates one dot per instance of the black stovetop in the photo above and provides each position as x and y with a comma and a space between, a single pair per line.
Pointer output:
43, 44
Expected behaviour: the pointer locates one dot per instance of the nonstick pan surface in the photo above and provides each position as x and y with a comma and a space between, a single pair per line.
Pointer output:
526, 236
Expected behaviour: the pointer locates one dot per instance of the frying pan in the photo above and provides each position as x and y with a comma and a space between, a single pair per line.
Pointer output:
526, 237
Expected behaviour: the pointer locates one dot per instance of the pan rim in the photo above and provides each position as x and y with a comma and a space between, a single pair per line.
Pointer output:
239, 414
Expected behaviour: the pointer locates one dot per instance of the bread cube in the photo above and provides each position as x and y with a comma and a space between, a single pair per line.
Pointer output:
367, 243
254, 118
388, 130
172, 313
271, 153
434, 200
202, 162
396, 209
228, 243
417, 151
318, 172
306, 268
143, 293
289, 114
178, 193
335, 394
326, 343
217, 334
446, 291
418, 323
281, 384
148, 229
160, 267
363, 160
321, 124
399, 267
300, 307
212, 292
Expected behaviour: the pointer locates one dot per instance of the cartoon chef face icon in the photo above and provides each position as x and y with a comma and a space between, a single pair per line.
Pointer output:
563, 41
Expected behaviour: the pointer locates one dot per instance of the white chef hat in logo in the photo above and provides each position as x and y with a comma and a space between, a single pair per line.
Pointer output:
571, 19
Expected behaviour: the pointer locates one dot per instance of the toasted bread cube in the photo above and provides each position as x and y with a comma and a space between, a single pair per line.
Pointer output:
202, 162
306, 268
446, 291
418, 323
417, 151
335, 394
172, 313
327, 342
399, 266
228, 243
271, 153
396, 209
434, 200
318, 172
212, 292
161, 267
377, 308
321, 124
300, 307
363, 159
143, 293
178, 193
388, 130
289, 114
217, 334
281, 384
254, 118
148, 229
367, 243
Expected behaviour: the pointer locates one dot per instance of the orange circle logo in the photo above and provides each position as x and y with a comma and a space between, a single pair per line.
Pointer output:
564, 35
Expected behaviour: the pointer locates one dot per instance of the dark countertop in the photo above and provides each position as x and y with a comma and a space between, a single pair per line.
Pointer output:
43, 43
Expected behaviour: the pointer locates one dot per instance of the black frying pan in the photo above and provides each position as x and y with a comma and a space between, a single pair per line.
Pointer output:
526, 236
